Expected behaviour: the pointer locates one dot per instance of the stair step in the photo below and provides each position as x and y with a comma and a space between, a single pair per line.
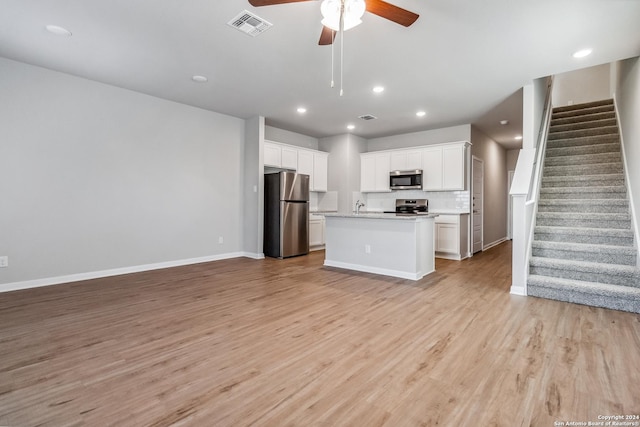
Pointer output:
587, 106
572, 170
606, 207
583, 133
598, 236
608, 254
613, 147
584, 140
586, 181
590, 194
613, 274
624, 298
584, 219
581, 125
583, 159
583, 118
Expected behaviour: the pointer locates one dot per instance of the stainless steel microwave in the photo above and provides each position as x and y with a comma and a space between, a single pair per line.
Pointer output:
405, 180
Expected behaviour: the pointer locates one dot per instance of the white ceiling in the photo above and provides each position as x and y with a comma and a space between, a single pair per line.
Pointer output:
463, 61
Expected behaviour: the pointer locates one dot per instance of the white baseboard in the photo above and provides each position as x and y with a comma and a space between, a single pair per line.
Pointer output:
518, 290
375, 270
496, 243
48, 281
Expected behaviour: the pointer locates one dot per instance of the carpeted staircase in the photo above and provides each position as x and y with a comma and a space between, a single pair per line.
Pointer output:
583, 249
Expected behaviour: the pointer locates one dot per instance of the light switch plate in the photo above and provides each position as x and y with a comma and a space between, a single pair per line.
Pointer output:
4, 261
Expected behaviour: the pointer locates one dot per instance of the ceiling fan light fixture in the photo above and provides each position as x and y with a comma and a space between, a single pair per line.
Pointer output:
353, 11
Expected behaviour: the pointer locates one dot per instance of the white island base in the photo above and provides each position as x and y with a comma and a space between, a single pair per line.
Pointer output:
398, 246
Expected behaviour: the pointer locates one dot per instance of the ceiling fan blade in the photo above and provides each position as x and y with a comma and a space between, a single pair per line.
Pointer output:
327, 36
393, 13
258, 3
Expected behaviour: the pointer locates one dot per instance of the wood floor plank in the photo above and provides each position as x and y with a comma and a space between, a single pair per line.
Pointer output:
292, 343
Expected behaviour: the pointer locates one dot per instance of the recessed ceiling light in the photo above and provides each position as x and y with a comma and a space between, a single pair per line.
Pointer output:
582, 53
351, 127
199, 79
58, 31
378, 89
504, 122
302, 110
421, 113
518, 138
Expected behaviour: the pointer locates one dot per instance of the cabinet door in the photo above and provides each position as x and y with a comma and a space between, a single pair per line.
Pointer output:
320, 163
453, 168
398, 161
272, 155
367, 173
383, 167
432, 169
289, 158
447, 239
305, 165
315, 232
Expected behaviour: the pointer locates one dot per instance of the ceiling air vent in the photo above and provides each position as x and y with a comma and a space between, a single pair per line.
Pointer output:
367, 117
249, 23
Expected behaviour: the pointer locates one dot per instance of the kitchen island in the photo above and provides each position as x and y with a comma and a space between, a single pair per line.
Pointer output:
388, 244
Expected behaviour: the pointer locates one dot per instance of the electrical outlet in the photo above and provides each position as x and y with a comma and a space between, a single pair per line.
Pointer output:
367, 249
4, 261
220, 239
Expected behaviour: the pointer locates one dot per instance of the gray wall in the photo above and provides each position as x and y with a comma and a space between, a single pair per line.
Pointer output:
94, 177
252, 187
628, 102
584, 85
415, 139
292, 138
495, 185
344, 167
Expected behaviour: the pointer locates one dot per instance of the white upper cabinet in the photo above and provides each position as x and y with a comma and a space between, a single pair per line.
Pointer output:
289, 158
406, 160
374, 172
309, 162
272, 155
432, 169
453, 167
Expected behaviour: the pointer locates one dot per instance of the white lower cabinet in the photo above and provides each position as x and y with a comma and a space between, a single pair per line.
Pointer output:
452, 236
316, 232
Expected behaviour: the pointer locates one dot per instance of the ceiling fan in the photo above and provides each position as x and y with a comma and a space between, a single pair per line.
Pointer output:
377, 7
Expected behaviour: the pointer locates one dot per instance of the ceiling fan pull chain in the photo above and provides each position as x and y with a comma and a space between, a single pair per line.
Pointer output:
341, 46
332, 60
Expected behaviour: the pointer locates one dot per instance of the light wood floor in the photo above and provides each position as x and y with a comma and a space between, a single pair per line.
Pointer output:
291, 343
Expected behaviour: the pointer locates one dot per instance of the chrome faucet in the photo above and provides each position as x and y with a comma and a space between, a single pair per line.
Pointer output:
359, 204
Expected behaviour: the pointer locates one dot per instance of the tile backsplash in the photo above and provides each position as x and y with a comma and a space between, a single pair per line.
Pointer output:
458, 200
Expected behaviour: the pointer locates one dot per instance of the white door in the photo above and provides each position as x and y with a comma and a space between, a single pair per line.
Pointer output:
477, 206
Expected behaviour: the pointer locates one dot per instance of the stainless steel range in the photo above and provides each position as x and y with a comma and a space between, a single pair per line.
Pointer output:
411, 207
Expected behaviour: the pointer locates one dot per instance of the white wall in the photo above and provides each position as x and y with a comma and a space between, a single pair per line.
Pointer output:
252, 187
580, 86
627, 97
415, 139
95, 178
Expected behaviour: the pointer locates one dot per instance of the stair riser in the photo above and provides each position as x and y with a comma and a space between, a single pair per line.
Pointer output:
612, 279
576, 194
583, 150
580, 142
581, 223
580, 125
591, 181
613, 303
583, 118
588, 239
622, 257
576, 209
581, 160
581, 133
598, 169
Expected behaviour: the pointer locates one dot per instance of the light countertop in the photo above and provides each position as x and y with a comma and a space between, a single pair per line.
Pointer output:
380, 215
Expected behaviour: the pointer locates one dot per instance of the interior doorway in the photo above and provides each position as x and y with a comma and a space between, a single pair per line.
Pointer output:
477, 203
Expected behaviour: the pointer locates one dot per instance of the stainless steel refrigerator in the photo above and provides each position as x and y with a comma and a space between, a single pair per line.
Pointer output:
286, 214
